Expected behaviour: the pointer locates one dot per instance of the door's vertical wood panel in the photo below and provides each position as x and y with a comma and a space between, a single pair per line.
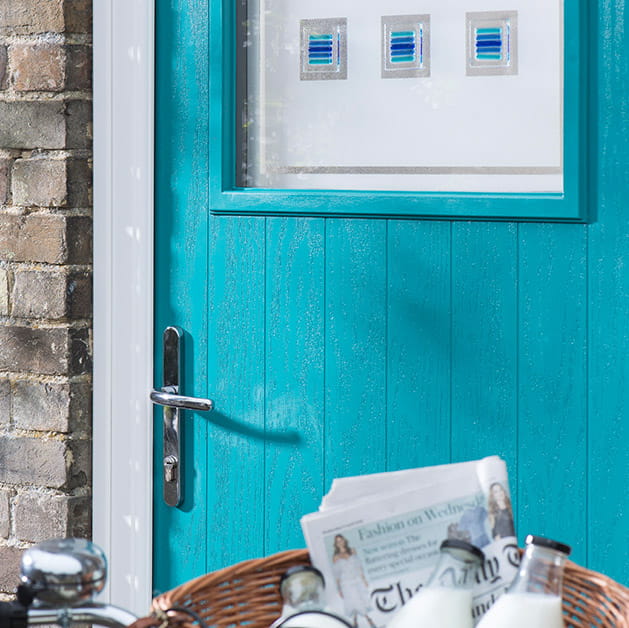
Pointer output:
236, 485
419, 351
294, 380
608, 511
552, 405
484, 342
355, 372
181, 262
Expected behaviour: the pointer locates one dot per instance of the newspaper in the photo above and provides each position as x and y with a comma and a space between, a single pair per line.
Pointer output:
393, 524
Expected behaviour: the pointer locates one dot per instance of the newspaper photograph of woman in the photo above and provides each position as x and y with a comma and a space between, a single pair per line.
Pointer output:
500, 512
350, 581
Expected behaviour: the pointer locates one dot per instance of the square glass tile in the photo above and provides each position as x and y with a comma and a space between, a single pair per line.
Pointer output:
492, 43
405, 46
323, 49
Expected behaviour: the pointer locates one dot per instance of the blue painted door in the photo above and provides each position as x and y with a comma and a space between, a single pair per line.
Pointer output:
337, 346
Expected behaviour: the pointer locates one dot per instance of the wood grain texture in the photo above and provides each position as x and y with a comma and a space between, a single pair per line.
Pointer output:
181, 262
236, 472
419, 321
355, 374
295, 419
608, 409
552, 384
484, 341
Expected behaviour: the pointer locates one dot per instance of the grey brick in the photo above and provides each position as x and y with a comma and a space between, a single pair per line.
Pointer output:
39, 294
46, 238
41, 406
25, 349
9, 568
80, 352
32, 125
51, 183
21, 17
80, 406
55, 407
80, 468
40, 183
80, 517
79, 291
46, 124
50, 294
5, 509
79, 240
79, 177
44, 462
79, 124
40, 516
56, 351
34, 461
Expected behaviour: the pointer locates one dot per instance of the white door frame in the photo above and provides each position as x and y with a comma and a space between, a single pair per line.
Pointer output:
123, 296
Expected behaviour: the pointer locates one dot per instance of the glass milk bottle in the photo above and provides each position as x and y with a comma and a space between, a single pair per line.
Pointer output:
534, 598
302, 589
446, 599
303, 594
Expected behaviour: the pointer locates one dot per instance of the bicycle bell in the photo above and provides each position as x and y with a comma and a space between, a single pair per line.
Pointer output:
64, 572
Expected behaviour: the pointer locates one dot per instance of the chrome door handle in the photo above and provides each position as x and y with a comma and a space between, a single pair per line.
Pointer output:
168, 396
172, 402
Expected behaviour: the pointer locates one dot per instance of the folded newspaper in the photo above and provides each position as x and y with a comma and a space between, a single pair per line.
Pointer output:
376, 537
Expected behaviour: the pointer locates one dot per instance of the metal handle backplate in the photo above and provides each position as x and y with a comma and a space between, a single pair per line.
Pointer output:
172, 402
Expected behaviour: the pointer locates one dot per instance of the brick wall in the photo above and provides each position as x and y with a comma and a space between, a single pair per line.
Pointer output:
45, 274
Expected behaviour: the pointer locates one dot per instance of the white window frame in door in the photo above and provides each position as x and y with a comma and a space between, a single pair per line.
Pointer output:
123, 296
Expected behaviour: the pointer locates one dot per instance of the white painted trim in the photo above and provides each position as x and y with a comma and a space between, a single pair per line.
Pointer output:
123, 295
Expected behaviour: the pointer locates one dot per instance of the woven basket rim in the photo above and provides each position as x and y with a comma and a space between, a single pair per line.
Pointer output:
231, 572
235, 592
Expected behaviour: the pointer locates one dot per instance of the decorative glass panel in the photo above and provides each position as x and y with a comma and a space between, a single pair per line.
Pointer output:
478, 107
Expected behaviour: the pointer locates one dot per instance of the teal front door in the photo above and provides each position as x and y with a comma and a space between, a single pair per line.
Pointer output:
336, 346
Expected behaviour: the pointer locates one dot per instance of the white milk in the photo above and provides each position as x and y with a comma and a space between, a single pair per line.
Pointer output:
524, 610
436, 606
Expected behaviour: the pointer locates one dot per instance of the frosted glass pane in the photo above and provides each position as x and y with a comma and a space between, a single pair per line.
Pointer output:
440, 96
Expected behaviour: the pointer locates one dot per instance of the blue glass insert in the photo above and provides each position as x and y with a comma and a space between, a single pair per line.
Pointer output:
402, 47
320, 49
488, 43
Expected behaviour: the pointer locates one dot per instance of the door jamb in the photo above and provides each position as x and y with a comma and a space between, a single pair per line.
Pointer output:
123, 297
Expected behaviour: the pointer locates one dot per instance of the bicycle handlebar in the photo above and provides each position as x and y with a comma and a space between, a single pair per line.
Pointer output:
15, 615
59, 578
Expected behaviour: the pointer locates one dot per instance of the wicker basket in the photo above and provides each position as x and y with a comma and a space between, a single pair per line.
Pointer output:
247, 594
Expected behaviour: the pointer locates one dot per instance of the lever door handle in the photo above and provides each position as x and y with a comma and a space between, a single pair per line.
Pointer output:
168, 396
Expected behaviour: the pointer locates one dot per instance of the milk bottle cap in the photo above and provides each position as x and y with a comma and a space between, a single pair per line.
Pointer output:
302, 589
541, 541
462, 550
